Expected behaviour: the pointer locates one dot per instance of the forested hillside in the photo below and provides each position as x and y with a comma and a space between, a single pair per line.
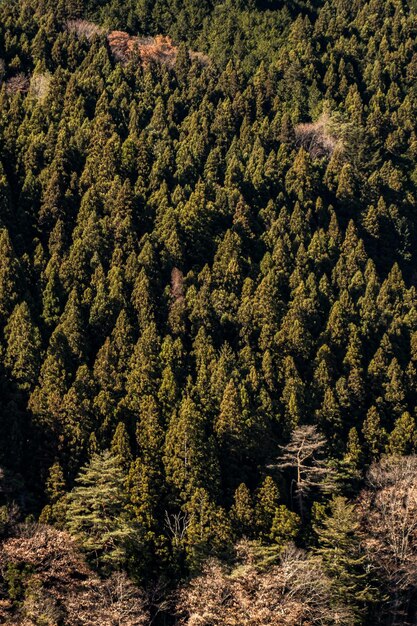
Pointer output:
208, 312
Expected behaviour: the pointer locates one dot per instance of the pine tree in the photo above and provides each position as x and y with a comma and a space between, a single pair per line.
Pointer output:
242, 512
23, 349
285, 525
267, 501
403, 438
97, 511
339, 548
189, 457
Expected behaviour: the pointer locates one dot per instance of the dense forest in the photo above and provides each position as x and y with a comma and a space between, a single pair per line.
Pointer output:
208, 312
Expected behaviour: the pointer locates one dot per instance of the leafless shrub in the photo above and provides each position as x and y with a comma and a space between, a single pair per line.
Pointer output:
48, 550
61, 588
296, 591
112, 602
318, 138
84, 29
18, 84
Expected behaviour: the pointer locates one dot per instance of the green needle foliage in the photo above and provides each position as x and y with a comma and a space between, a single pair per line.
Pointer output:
97, 512
208, 243
340, 550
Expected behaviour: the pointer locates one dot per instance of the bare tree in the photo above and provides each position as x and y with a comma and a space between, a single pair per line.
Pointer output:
61, 588
158, 49
305, 579
84, 29
177, 525
389, 521
18, 84
112, 602
177, 284
316, 137
303, 453
294, 592
39, 85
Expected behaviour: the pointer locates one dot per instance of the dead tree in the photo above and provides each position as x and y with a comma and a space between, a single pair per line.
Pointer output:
18, 84
304, 453
84, 29
295, 591
389, 521
177, 525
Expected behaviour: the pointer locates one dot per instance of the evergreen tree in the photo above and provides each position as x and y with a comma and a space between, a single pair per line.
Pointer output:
403, 438
208, 533
339, 548
189, 458
242, 511
120, 446
23, 350
285, 525
55, 511
97, 512
8, 275
267, 500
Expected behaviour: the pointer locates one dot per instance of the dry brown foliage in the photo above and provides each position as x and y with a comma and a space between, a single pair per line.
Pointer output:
125, 47
18, 84
177, 284
294, 592
318, 137
158, 49
389, 514
62, 588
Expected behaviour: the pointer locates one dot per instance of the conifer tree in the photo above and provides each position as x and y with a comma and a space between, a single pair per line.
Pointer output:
403, 438
189, 457
8, 275
285, 525
97, 513
120, 446
339, 548
22, 356
267, 500
242, 512
208, 533
55, 512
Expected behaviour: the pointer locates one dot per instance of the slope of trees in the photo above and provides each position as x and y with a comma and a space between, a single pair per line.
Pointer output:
208, 322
